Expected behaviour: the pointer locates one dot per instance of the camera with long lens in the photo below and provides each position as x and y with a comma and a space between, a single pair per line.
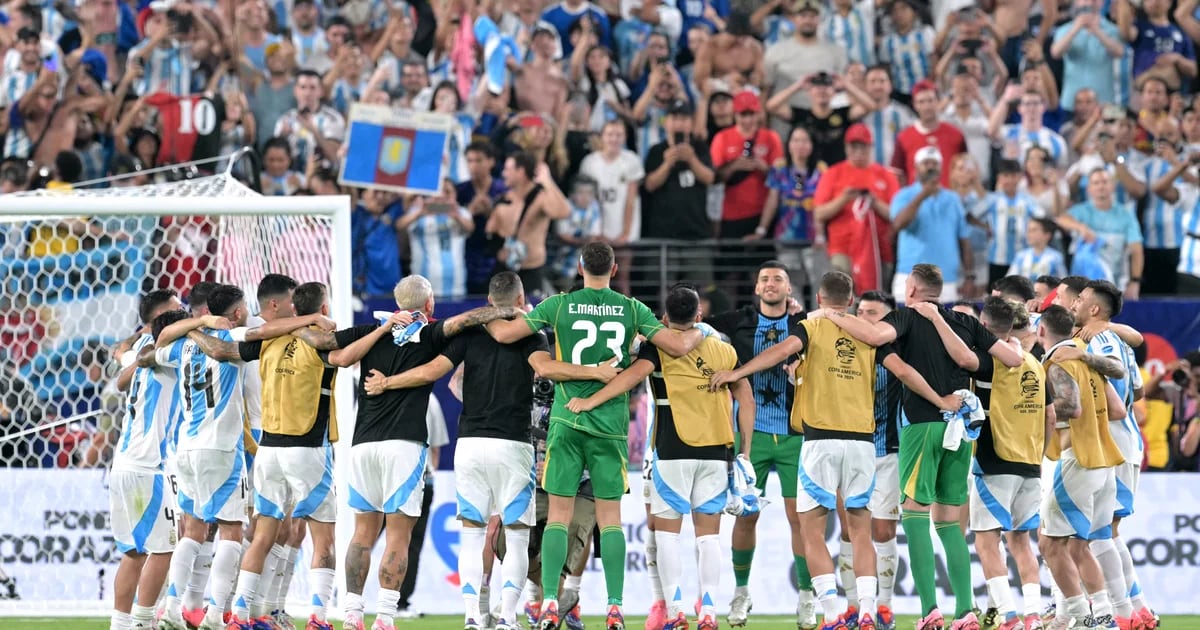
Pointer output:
1181, 378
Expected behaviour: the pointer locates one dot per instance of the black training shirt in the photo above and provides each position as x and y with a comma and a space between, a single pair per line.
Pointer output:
396, 414
497, 384
921, 347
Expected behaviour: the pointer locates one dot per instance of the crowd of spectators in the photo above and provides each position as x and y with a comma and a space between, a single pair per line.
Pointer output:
993, 137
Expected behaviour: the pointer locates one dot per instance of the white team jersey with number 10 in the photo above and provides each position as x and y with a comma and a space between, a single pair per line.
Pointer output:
150, 407
210, 392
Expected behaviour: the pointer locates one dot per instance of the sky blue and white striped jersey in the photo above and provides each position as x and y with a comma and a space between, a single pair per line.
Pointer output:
778, 28
854, 32
309, 47
14, 85
210, 393
1008, 218
911, 56
884, 125
167, 70
439, 251
651, 131
1108, 344
1162, 222
150, 405
1043, 137
1123, 77
1189, 255
1031, 264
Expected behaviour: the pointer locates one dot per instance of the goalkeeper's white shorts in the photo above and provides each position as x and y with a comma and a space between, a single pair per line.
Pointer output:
683, 486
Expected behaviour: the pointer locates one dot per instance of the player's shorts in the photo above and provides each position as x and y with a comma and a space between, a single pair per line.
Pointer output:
781, 452
1005, 502
1080, 504
388, 477
570, 451
929, 473
831, 467
142, 509
885, 500
296, 481
683, 486
1128, 473
212, 485
494, 476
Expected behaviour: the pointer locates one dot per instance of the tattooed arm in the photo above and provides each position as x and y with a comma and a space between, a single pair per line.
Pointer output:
478, 317
1067, 404
1108, 367
214, 348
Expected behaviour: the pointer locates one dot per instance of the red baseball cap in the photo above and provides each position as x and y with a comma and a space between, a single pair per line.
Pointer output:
746, 101
858, 133
924, 84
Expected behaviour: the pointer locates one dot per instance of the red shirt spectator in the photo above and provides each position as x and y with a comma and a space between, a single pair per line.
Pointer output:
852, 200
742, 155
928, 130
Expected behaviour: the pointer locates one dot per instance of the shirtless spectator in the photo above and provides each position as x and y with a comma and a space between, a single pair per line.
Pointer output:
735, 52
1013, 26
522, 217
539, 85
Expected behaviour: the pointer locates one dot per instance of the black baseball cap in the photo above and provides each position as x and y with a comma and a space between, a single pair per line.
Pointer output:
681, 108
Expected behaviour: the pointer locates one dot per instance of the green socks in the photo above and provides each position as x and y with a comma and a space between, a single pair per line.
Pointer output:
920, 556
958, 565
612, 556
742, 558
554, 555
803, 579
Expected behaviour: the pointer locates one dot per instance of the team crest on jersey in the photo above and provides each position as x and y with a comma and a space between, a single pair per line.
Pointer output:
393, 155
835, 121
845, 349
1029, 384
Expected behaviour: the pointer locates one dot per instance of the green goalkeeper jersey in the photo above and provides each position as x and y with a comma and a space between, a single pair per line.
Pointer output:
593, 326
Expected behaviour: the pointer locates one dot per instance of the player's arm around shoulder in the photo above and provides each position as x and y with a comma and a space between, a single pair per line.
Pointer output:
779, 353
623, 382
183, 327
676, 343
483, 315
215, 348
289, 325
350, 345
866, 332
743, 394
524, 324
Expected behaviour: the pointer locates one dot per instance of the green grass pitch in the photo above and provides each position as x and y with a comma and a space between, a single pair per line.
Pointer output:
1191, 622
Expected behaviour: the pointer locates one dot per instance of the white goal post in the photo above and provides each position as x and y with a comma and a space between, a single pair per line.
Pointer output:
253, 235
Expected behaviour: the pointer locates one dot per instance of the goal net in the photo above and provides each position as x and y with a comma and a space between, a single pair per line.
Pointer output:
72, 268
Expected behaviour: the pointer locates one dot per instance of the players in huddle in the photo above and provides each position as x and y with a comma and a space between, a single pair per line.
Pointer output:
918, 413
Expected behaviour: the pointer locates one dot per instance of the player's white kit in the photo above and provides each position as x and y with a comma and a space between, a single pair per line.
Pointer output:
683, 486
494, 476
295, 480
387, 477
210, 456
1124, 432
829, 467
1005, 502
885, 498
1080, 501
141, 501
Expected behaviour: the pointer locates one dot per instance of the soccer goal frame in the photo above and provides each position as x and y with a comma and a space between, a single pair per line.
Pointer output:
224, 198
